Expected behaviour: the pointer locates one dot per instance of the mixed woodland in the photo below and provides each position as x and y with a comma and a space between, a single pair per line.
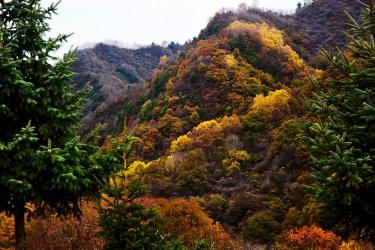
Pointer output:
259, 133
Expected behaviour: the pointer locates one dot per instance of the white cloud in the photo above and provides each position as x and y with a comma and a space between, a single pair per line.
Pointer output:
141, 21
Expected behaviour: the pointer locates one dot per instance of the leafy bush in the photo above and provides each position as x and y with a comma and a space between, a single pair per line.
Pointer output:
312, 237
234, 160
215, 205
261, 227
185, 219
257, 123
6, 231
70, 234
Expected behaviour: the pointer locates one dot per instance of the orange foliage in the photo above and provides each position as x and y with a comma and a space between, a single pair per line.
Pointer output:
312, 237
6, 231
353, 245
171, 124
56, 234
182, 67
185, 219
231, 124
149, 141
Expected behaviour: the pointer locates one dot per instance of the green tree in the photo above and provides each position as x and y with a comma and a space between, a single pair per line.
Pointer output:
299, 7
125, 223
261, 227
42, 163
342, 142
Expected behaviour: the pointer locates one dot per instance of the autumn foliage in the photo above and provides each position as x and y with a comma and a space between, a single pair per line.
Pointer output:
6, 231
58, 234
185, 219
55, 233
312, 237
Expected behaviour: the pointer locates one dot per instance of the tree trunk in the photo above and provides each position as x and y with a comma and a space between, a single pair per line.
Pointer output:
19, 224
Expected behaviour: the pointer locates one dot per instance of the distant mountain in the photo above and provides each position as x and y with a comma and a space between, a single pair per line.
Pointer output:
322, 23
112, 73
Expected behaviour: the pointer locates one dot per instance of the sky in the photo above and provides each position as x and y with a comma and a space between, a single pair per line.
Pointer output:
141, 21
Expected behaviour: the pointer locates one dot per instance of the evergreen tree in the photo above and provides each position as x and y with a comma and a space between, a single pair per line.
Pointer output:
342, 142
125, 223
299, 7
42, 163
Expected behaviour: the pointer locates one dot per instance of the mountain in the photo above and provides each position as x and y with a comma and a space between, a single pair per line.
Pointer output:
243, 138
322, 23
112, 75
319, 24
221, 121
115, 75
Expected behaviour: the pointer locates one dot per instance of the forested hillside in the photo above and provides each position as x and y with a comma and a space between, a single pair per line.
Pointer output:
116, 75
319, 24
112, 75
251, 136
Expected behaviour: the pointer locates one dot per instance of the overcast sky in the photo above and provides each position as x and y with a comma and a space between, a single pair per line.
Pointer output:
141, 21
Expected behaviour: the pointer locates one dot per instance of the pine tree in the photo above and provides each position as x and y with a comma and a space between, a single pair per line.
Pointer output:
342, 142
125, 223
42, 163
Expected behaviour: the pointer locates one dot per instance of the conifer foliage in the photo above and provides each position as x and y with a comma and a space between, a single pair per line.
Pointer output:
42, 164
342, 142
125, 223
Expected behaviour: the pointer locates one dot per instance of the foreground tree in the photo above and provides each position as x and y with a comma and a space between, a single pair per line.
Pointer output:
342, 142
42, 164
125, 223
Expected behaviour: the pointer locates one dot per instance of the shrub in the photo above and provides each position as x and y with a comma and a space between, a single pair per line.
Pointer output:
257, 123
261, 227
234, 160
6, 231
275, 101
215, 205
185, 219
57, 234
312, 237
